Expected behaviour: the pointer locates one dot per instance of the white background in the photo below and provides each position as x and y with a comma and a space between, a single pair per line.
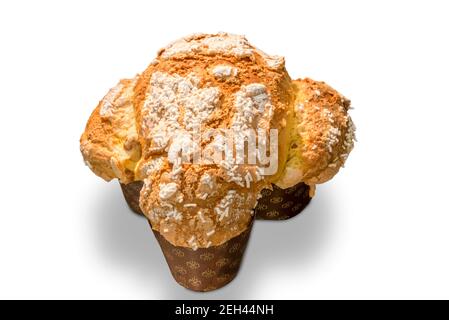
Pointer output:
380, 229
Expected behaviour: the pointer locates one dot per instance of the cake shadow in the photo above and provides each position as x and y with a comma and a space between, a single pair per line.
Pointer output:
126, 241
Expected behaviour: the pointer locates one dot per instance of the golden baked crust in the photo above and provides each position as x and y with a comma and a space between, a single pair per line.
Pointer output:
213, 82
206, 79
109, 144
322, 134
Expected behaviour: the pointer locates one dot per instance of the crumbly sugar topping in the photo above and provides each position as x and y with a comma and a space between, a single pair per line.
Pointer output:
107, 107
181, 105
193, 243
167, 95
208, 181
206, 82
333, 133
225, 44
273, 62
182, 142
152, 166
350, 137
174, 214
222, 209
167, 190
333, 137
199, 105
253, 108
224, 71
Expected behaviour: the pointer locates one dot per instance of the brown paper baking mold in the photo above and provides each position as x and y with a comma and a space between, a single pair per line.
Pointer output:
205, 269
282, 204
131, 192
